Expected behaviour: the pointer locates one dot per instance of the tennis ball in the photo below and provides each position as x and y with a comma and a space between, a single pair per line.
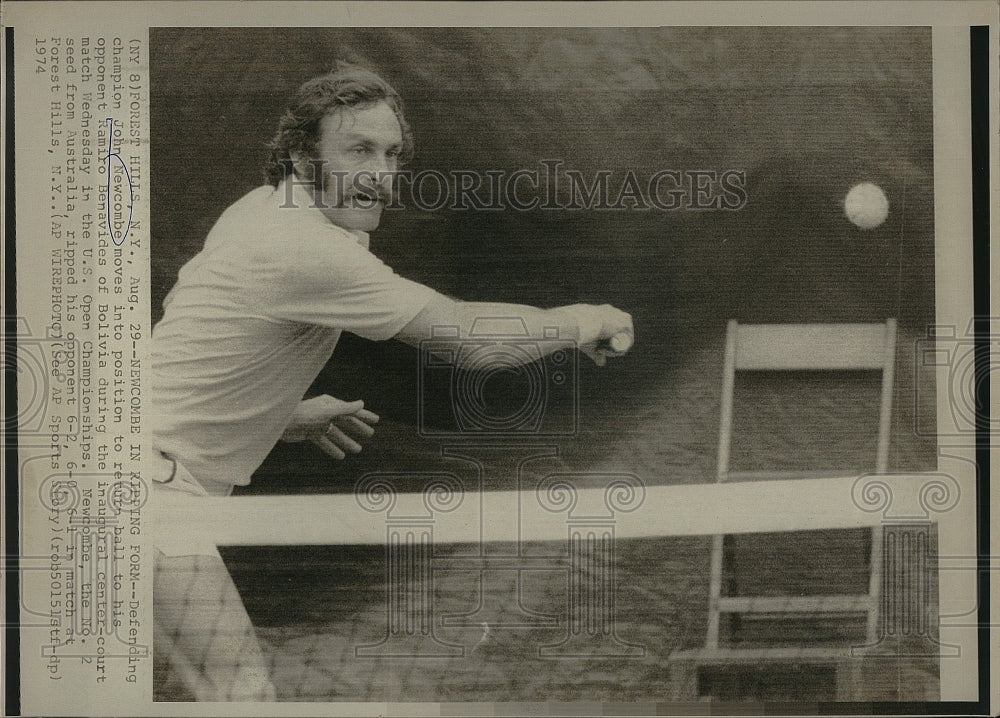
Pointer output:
621, 342
866, 205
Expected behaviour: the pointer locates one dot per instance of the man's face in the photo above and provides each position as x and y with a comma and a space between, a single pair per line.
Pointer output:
357, 155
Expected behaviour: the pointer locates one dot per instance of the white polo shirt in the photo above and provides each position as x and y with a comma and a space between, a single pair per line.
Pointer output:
252, 320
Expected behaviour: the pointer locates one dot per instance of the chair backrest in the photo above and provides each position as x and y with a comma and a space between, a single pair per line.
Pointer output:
777, 347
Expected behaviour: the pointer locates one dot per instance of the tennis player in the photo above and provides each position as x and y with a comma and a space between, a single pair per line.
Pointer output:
253, 319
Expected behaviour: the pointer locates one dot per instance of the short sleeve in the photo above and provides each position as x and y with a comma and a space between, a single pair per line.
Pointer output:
328, 279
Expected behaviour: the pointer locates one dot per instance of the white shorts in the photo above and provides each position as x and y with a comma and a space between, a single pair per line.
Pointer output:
174, 487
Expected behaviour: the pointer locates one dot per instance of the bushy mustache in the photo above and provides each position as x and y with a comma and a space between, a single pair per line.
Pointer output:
362, 191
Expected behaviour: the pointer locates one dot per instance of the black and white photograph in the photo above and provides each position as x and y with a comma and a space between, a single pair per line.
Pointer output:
561, 258
498, 359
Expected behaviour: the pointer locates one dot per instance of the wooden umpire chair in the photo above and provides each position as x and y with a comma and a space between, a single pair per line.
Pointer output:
792, 347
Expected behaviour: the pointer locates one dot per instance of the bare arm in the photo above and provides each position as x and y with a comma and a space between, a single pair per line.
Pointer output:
589, 326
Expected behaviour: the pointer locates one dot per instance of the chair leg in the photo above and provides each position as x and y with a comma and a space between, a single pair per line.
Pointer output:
714, 592
875, 571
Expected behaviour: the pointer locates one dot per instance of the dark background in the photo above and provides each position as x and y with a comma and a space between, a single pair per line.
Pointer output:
805, 112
